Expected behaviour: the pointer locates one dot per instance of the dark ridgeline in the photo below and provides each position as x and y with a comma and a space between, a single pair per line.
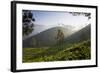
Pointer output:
48, 37
82, 35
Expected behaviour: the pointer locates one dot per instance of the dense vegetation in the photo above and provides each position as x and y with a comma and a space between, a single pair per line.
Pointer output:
57, 43
28, 20
72, 51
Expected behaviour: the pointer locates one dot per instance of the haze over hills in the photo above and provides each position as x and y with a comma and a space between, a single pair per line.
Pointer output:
81, 35
48, 37
38, 28
56, 36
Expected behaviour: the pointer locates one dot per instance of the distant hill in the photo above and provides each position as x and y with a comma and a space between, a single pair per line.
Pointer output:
47, 37
76, 46
81, 35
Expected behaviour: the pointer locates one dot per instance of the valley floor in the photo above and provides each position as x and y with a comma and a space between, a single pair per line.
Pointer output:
77, 51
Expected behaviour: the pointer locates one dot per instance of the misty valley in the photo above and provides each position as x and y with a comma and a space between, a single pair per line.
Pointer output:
55, 36
45, 46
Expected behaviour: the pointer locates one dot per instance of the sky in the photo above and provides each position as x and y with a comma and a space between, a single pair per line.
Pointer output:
48, 19
53, 19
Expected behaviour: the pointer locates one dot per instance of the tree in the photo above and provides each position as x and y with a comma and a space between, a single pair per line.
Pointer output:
60, 37
35, 42
88, 15
28, 22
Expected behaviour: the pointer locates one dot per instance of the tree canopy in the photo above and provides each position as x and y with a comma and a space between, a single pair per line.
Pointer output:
60, 37
28, 22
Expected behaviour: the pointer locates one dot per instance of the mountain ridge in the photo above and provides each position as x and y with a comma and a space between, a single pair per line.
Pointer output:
48, 37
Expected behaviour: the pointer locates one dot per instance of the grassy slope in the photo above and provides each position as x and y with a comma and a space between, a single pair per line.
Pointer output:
77, 51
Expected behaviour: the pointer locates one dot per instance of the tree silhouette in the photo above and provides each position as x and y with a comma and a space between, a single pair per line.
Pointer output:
60, 37
35, 42
81, 13
28, 22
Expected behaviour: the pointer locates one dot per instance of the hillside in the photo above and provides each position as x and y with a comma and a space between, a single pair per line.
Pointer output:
79, 51
77, 46
81, 35
46, 38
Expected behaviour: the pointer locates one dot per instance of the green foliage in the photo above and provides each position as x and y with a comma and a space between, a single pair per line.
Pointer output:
27, 22
60, 37
78, 51
34, 42
81, 13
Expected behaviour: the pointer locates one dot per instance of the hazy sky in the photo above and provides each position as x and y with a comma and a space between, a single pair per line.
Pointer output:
52, 19
47, 19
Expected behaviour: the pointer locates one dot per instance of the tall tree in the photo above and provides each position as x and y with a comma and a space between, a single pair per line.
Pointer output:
60, 37
28, 22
